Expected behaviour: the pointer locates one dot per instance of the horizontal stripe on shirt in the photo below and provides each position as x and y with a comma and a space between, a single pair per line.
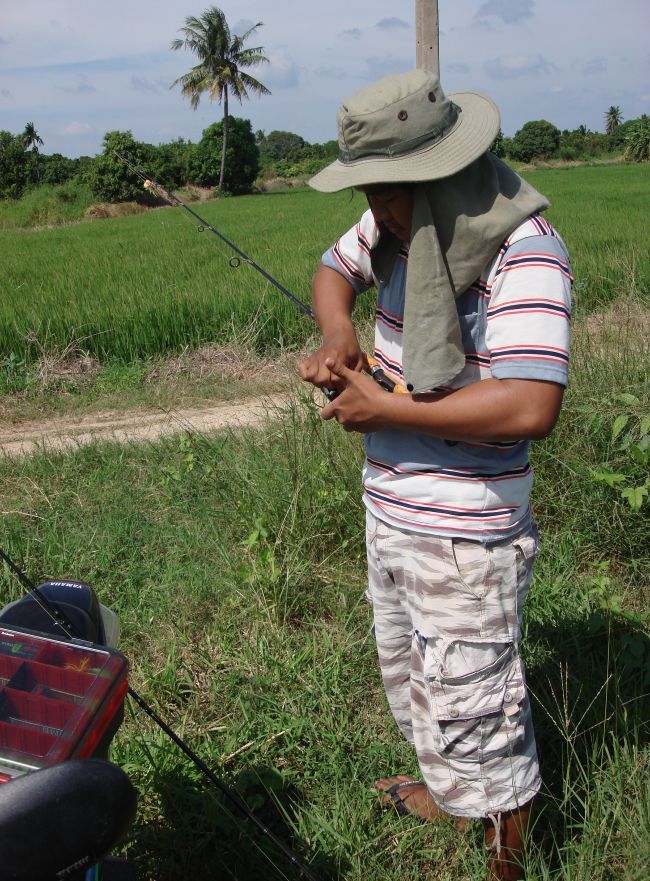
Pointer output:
548, 307
453, 473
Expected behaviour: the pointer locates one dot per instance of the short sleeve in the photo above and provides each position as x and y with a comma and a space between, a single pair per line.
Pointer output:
350, 256
529, 311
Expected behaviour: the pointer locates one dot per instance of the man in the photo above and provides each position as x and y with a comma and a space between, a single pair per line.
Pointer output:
473, 308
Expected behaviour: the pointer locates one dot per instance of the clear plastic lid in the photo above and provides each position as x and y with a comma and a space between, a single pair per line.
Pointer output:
56, 698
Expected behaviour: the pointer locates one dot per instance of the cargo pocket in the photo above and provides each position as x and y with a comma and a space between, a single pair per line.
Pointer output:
476, 714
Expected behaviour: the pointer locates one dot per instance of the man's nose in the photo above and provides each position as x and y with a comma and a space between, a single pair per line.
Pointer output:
379, 212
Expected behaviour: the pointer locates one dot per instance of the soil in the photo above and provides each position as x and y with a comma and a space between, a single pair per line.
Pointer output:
134, 425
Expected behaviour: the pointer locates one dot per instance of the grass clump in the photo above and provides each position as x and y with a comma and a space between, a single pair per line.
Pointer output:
48, 205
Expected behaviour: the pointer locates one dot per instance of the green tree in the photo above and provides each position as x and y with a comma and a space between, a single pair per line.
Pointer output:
613, 118
56, 168
498, 146
242, 164
281, 145
637, 140
169, 163
537, 139
110, 179
221, 68
14, 171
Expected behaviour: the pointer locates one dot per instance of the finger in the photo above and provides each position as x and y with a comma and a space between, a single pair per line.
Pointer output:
312, 371
328, 411
339, 369
306, 369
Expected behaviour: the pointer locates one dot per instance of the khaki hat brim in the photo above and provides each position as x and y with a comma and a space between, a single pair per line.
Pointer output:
477, 126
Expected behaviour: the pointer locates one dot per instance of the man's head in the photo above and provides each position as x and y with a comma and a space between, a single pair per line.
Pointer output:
404, 129
392, 206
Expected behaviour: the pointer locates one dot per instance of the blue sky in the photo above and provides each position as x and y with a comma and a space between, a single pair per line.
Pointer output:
80, 68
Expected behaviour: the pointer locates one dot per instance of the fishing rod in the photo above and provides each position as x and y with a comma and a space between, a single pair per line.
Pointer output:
371, 364
69, 630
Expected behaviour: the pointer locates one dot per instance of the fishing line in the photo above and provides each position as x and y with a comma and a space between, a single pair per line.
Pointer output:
62, 621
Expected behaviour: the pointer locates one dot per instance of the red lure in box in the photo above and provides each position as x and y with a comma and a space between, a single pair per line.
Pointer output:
57, 699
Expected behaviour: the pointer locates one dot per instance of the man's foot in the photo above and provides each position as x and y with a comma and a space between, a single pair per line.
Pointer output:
410, 796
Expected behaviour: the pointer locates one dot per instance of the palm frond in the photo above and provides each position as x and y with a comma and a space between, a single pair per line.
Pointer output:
249, 82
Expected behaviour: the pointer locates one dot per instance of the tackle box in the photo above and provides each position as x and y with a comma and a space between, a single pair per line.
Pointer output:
58, 699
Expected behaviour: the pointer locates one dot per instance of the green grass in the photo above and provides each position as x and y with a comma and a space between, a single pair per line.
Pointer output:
236, 564
133, 287
599, 212
136, 287
240, 591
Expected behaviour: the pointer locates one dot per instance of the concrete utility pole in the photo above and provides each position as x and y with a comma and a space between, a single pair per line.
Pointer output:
427, 36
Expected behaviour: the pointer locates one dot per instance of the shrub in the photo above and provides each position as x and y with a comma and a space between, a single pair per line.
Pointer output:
637, 140
537, 139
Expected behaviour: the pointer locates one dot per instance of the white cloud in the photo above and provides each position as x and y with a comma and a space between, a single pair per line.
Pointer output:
509, 11
82, 87
151, 87
509, 67
392, 24
75, 129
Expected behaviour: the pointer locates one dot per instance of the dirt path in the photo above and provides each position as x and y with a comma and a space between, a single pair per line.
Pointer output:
133, 425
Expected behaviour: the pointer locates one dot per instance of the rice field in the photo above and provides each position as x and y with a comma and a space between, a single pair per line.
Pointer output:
136, 287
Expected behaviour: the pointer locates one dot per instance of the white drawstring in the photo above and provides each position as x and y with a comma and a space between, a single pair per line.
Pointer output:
496, 822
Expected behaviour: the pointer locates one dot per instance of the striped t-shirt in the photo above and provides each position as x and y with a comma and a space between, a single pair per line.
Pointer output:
515, 322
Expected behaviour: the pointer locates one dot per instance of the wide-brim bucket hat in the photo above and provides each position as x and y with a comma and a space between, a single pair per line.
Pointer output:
404, 129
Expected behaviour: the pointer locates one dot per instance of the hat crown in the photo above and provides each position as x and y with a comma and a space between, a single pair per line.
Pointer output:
394, 116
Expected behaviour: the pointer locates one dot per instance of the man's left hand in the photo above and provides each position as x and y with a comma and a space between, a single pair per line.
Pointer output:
361, 406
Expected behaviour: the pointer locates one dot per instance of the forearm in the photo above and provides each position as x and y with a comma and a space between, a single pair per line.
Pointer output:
491, 410
332, 301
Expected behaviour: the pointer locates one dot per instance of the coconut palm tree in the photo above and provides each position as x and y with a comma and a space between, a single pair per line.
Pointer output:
31, 141
613, 118
31, 138
220, 71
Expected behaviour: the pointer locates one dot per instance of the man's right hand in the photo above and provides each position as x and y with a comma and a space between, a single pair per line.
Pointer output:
332, 301
342, 347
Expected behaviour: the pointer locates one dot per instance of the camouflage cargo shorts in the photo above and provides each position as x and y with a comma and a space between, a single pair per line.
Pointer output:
447, 616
